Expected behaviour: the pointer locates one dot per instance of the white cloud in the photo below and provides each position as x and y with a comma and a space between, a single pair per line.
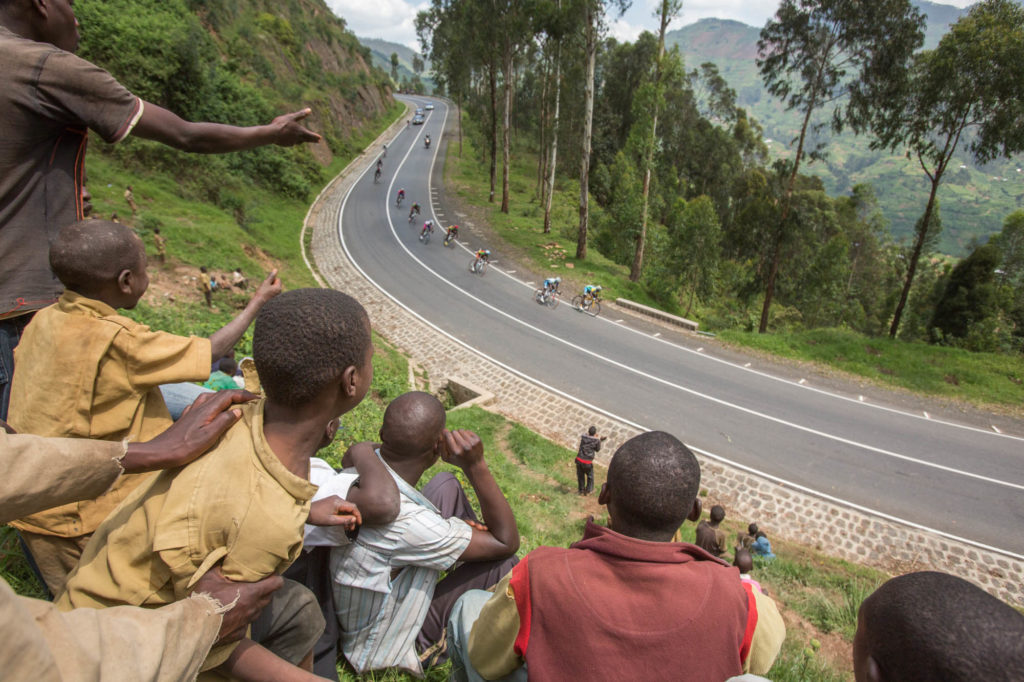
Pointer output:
623, 31
392, 20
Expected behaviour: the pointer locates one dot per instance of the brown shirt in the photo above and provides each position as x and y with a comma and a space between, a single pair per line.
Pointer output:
237, 505
49, 99
38, 642
83, 371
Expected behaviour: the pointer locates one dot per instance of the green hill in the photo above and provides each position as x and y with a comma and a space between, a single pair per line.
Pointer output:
974, 200
381, 50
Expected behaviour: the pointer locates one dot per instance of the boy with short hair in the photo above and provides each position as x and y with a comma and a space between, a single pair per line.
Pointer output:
710, 536
84, 371
624, 602
929, 626
244, 505
390, 604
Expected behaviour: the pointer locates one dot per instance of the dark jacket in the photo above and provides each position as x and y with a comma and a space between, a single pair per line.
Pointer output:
589, 445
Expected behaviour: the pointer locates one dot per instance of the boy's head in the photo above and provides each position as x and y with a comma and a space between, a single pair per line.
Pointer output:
934, 626
102, 260
228, 365
752, 530
743, 560
652, 486
717, 514
413, 423
592, 431
311, 345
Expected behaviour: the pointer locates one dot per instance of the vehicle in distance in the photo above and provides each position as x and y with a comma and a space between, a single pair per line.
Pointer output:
429, 107
419, 111
417, 120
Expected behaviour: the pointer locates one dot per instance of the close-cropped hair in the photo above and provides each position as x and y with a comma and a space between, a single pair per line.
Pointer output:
305, 339
90, 253
930, 626
654, 479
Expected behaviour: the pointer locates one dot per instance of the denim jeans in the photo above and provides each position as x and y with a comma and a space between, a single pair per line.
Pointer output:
460, 624
10, 334
180, 396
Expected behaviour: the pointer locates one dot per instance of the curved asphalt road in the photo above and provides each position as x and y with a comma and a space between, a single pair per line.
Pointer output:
963, 481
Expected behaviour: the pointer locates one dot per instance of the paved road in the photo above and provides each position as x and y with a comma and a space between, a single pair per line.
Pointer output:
960, 480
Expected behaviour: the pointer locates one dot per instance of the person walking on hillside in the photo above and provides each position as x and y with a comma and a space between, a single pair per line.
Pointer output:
129, 196
590, 443
49, 100
161, 246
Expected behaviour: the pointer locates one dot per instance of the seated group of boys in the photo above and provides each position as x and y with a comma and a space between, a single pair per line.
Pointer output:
625, 602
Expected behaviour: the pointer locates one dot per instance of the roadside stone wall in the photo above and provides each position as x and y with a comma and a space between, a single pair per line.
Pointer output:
781, 511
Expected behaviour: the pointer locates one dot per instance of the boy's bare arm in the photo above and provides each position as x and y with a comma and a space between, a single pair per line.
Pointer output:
251, 662
501, 539
377, 495
164, 126
224, 339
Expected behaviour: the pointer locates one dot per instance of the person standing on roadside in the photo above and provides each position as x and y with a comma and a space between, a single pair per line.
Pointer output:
590, 443
49, 100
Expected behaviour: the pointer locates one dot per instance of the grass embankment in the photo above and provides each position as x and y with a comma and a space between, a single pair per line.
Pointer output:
984, 379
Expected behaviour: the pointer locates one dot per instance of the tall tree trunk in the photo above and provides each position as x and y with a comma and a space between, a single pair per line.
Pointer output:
493, 78
542, 156
506, 128
787, 202
553, 159
915, 255
638, 255
460, 123
588, 121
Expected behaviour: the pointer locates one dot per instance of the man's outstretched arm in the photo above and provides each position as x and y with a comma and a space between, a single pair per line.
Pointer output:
166, 127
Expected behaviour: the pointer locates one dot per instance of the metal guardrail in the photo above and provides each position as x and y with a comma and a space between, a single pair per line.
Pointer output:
657, 314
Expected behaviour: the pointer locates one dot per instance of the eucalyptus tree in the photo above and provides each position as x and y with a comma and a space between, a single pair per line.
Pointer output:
842, 54
592, 13
654, 96
966, 94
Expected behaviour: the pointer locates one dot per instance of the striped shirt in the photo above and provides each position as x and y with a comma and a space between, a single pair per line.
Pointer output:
379, 616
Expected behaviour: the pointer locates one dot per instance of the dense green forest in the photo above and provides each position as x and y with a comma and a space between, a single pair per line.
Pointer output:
684, 188
241, 62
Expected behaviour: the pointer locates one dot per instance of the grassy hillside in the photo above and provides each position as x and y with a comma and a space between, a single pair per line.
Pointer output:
974, 200
381, 51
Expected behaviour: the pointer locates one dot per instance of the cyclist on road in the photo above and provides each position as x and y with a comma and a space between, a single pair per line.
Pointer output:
401, 196
380, 163
414, 210
426, 141
385, 153
452, 233
484, 255
427, 227
591, 292
551, 285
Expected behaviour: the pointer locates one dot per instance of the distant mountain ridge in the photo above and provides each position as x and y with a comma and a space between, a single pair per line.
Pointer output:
381, 51
974, 200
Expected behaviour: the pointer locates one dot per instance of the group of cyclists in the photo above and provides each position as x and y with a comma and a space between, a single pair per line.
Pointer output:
588, 301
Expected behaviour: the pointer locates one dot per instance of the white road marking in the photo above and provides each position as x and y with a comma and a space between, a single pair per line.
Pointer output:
618, 321
701, 349
612, 415
996, 428
926, 415
860, 398
802, 381
747, 365
657, 334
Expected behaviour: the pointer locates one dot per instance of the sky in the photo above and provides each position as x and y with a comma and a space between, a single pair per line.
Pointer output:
393, 19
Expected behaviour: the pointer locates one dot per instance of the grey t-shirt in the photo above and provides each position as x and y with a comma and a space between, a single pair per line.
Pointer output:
49, 99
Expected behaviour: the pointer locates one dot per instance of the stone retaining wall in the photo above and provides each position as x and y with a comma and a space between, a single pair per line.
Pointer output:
780, 510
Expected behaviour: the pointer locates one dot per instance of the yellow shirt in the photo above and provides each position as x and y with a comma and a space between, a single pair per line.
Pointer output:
83, 371
237, 505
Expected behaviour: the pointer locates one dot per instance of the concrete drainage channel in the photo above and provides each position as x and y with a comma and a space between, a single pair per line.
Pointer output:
803, 516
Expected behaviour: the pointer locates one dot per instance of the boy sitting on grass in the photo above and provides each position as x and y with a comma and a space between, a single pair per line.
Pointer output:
390, 604
245, 504
86, 372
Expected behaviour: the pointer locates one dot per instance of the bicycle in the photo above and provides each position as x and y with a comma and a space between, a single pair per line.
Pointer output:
548, 297
587, 304
413, 214
425, 233
376, 176
478, 266
398, 201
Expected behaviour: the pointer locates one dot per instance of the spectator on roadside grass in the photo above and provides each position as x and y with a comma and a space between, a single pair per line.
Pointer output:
245, 505
391, 607
762, 547
710, 537
929, 626
745, 540
743, 561
49, 100
38, 642
624, 603
590, 444
105, 384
